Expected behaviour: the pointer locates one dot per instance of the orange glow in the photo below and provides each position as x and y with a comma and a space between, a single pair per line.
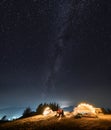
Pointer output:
84, 108
47, 111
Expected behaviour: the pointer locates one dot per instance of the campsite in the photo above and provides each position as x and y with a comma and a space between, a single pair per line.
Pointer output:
41, 122
89, 120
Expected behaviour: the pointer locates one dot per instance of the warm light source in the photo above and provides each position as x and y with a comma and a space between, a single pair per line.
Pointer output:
84, 108
47, 111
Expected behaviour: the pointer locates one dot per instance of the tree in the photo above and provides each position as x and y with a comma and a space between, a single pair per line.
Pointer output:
104, 110
54, 106
41, 107
109, 111
4, 118
27, 112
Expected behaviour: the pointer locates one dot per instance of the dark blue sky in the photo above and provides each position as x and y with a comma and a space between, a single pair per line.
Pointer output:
55, 51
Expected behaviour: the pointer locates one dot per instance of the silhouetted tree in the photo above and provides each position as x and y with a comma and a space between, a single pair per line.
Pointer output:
104, 110
41, 107
109, 111
54, 106
4, 119
27, 112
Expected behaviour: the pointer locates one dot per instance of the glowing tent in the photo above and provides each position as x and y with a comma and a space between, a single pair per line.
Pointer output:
84, 109
47, 111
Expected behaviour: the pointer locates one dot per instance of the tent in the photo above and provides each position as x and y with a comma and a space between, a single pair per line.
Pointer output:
98, 111
85, 110
47, 111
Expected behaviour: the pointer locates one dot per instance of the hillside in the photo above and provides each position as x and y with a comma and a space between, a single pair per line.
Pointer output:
41, 122
12, 112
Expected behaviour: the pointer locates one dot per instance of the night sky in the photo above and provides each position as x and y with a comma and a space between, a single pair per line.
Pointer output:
55, 51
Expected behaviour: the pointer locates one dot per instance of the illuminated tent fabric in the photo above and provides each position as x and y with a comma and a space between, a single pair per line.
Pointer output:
47, 111
99, 110
84, 108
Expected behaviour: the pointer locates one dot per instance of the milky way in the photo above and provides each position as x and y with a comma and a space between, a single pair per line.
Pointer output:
62, 11
62, 16
54, 50
73, 17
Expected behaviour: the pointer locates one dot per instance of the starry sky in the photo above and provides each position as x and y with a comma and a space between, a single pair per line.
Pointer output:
55, 51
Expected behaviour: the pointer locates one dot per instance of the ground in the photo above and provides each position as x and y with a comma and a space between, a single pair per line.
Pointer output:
103, 122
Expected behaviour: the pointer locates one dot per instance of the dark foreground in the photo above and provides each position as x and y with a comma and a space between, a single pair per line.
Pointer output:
53, 123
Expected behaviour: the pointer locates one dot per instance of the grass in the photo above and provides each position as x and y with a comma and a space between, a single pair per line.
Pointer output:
52, 123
